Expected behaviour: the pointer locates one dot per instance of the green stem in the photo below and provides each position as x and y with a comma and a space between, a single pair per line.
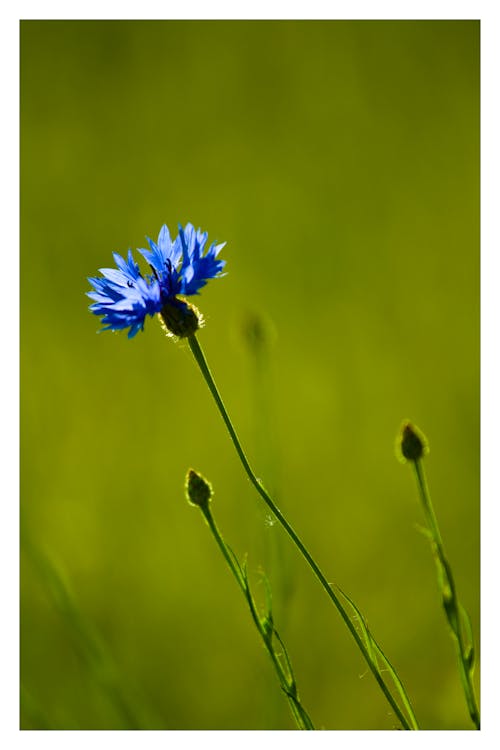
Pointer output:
236, 570
299, 713
203, 365
449, 593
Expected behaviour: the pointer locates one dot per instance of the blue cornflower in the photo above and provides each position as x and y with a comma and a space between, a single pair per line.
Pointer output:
123, 296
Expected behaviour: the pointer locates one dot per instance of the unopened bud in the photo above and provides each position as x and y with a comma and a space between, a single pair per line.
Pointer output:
258, 333
411, 444
198, 490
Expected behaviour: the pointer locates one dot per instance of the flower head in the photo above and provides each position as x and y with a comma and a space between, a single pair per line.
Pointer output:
124, 296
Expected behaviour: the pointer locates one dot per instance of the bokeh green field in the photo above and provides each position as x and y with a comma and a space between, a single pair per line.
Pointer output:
340, 162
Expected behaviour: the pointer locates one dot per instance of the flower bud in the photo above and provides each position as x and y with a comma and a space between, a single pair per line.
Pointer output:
411, 444
258, 333
198, 490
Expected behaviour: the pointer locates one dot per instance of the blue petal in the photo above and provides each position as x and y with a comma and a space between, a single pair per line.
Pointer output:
200, 268
168, 248
154, 257
125, 304
164, 255
117, 277
129, 268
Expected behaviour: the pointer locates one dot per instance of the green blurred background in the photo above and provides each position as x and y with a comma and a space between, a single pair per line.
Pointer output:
340, 162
